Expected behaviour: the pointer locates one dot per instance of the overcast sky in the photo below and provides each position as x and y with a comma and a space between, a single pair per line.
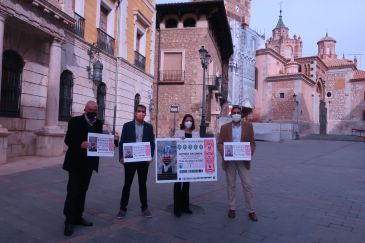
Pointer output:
311, 19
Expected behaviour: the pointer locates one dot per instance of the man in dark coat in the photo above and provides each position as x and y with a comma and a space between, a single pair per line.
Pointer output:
136, 131
79, 165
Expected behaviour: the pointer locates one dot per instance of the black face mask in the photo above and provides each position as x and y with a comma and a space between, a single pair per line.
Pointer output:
91, 115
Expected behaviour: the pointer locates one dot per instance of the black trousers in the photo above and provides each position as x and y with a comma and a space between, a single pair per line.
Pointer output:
142, 171
78, 183
181, 196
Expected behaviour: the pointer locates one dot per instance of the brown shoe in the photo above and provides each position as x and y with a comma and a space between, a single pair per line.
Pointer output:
253, 216
231, 214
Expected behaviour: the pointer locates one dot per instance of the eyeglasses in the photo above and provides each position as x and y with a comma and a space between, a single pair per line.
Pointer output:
140, 111
234, 113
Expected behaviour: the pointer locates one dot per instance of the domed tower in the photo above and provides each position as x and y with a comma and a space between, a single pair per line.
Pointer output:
327, 47
280, 41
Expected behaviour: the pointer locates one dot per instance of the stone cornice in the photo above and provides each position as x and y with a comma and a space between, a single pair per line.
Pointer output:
290, 77
51, 9
32, 16
269, 51
299, 59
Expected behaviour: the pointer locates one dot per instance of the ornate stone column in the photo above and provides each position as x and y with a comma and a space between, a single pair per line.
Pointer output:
50, 138
4, 133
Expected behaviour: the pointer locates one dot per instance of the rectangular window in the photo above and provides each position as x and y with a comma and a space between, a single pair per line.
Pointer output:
172, 70
282, 95
103, 18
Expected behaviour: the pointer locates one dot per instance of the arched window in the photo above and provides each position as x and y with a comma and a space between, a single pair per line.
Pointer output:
256, 78
171, 23
100, 99
65, 106
11, 84
137, 100
189, 22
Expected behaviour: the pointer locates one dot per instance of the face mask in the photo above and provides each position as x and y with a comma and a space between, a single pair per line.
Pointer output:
188, 124
91, 115
140, 116
236, 117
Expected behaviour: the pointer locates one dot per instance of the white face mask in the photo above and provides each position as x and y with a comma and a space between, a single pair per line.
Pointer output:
188, 124
236, 117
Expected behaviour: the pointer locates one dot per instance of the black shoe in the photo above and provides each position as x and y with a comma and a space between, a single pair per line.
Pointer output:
177, 214
253, 217
187, 210
84, 222
68, 229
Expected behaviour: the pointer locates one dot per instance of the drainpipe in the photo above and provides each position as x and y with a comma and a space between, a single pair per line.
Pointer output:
158, 74
116, 67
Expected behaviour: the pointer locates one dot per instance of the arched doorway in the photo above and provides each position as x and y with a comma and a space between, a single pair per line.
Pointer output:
11, 84
65, 105
322, 109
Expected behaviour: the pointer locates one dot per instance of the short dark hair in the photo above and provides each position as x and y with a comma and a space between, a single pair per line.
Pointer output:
140, 106
236, 107
182, 125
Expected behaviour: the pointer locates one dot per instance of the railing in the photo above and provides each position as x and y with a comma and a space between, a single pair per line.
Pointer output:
105, 42
173, 75
79, 26
139, 60
215, 83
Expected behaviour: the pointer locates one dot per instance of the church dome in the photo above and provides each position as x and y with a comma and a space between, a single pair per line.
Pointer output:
327, 38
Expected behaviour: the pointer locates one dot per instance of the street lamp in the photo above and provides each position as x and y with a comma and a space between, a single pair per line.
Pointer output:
297, 116
205, 60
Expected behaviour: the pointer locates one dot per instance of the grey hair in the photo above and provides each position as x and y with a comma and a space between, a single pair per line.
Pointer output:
91, 102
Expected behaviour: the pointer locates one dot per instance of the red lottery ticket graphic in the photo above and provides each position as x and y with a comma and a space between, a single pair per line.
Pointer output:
209, 155
148, 150
247, 149
111, 145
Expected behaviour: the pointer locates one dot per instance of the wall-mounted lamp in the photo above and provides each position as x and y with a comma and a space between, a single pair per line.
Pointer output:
295, 98
96, 72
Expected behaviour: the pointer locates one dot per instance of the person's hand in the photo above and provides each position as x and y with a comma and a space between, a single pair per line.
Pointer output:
224, 165
84, 144
121, 161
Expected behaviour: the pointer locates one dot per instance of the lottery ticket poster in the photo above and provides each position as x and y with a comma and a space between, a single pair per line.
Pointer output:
100, 145
136, 152
237, 151
196, 160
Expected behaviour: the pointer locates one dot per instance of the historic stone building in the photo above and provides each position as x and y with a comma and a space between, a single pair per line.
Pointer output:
242, 82
316, 94
182, 29
57, 55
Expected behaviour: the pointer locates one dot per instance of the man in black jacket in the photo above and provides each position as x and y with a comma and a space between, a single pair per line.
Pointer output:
136, 131
79, 165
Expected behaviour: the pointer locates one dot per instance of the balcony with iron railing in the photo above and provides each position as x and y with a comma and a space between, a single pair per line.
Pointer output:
79, 26
139, 60
105, 42
173, 76
215, 83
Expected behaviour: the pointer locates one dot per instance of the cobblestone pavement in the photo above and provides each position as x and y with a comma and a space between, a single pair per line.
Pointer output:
305, 191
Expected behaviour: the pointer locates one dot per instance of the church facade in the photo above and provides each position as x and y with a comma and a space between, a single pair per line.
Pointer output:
320, 94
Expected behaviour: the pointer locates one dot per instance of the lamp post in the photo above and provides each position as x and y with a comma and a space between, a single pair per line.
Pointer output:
205, 60
297, 116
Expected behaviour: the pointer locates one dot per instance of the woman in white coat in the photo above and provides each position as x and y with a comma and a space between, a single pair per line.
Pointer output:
181, 189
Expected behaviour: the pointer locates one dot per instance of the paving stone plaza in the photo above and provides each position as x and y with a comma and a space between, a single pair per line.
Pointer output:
305, 191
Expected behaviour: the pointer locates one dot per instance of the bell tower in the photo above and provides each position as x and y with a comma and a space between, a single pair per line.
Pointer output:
280, 41
327, 47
